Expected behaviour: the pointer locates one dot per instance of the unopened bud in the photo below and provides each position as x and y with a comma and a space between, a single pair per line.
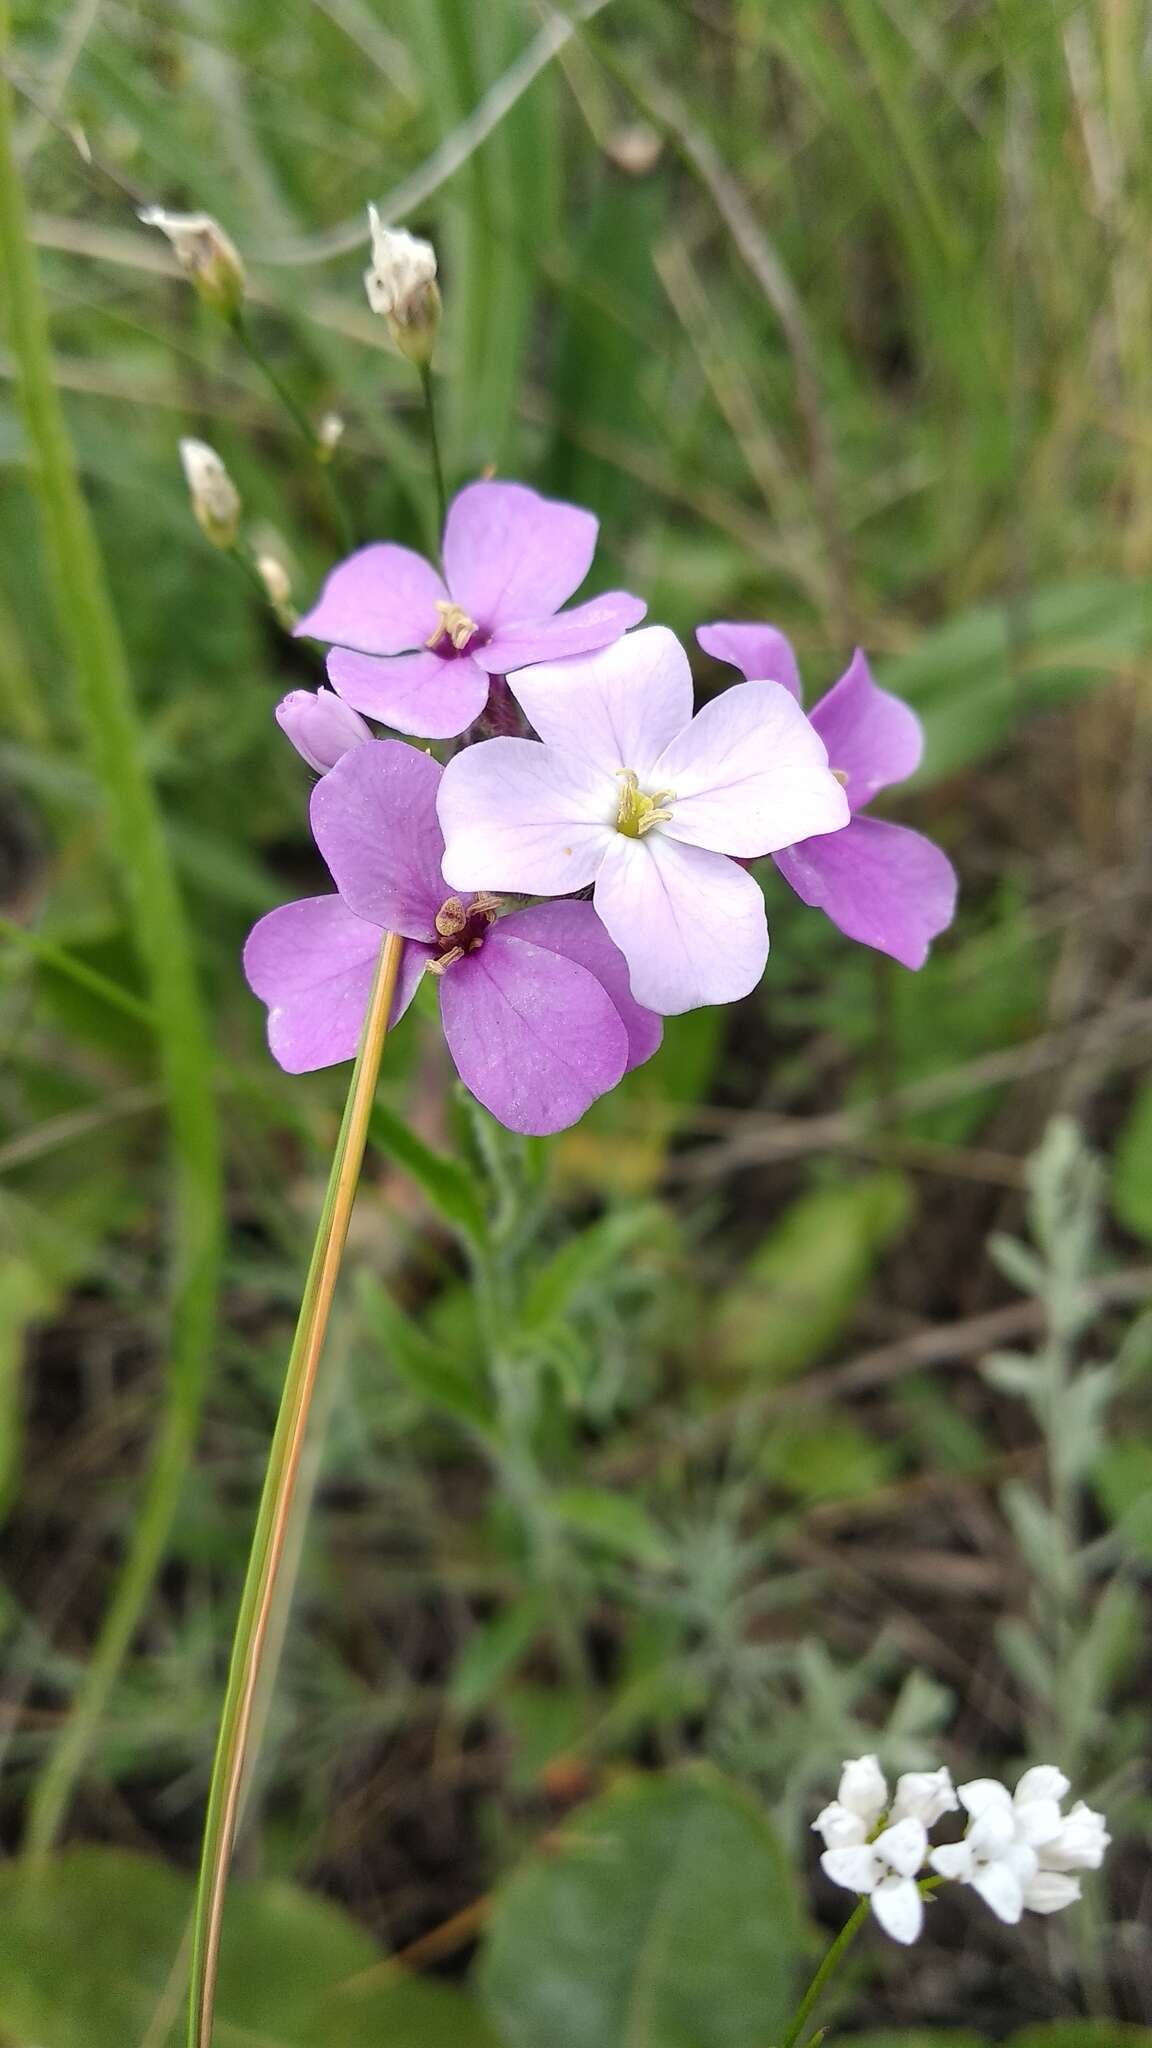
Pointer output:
635, 148
329, 435
215, 499
274, 576
401, 285
208, 257
320, 726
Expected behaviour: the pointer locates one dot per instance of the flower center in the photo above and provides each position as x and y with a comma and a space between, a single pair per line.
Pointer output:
637, 812
461, 928
455, 630
840, 775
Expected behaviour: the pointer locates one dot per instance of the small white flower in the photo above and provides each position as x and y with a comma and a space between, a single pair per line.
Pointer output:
401, 285
215, 499
885, 1872
860, 1800
207, 255
924, 1796
1020, 1848
992, 1859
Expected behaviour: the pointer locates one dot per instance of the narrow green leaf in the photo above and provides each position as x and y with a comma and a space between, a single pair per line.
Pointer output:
449, 1186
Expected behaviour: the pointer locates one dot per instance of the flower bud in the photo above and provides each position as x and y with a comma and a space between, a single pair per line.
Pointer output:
274, 576
329, 435
320, 726
208, 257
215, 499
401, 285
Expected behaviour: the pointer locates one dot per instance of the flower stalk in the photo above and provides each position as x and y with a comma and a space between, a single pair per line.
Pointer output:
231, 1769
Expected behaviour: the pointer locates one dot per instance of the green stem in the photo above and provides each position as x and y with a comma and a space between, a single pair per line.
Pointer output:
301, 422
839, 1947
429, 390
234, 1749
160, 930
78, 971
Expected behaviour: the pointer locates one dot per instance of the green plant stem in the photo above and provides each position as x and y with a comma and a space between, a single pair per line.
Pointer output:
827, 1969
428, 388
160, 930
85, 977
302, 423
232, 1765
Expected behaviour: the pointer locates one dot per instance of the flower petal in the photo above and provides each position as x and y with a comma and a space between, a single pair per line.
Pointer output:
855, 1868
840, 1827
903, 1846
1038, 1821
580, 630
419, 693
1000, 1888
1050, 1891
750, 775
575, 931
872, 738
511, 554
516, 815
312, 962
374, 820
618, 708
763, 654
381, 600
952, 1859
980, 1795
534, 1036
881, 884
1043, 1781
899, 1908
690, 924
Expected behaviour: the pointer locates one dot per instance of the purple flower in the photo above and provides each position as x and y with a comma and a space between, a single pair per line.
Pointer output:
535, 1006
882, 884
629, 791
416, 650
320, 726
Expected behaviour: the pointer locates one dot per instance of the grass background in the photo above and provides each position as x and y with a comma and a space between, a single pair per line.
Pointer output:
839, 315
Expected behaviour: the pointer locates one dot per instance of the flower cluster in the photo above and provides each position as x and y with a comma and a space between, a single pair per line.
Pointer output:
581, 765
1021, 1852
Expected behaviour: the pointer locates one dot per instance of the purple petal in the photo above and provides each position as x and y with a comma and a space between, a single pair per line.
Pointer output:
320, 726
882, 884
763, 654
534, 1036
690, 924
374, 820
574, 930
618, 708
578, 631
312, 962
516, 815
872, 738
381, 600
510, 554
418, 693
749, 775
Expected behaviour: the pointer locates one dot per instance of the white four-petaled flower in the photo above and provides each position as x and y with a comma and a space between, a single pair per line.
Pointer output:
1020, 1849
885, 1872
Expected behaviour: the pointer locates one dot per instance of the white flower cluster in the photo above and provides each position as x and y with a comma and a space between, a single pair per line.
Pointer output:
1020, 1852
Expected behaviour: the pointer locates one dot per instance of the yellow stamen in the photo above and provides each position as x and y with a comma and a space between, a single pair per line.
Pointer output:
451, 918
455, 625
445, 960
638, 812
840, 775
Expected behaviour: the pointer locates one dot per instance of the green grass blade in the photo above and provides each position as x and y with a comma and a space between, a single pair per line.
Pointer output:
157, 917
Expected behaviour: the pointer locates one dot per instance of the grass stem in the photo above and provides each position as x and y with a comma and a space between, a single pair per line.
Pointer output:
232, 1766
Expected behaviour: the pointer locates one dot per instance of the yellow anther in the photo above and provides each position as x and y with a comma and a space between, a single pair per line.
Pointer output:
455, 625
638, 812
445, 960
840, 775
451, 918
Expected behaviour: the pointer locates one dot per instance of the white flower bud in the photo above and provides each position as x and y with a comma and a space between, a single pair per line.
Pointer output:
401, 286
274, 576
863, 1787
207, 255
840, 1827
215, 499
1081, 1842
329, 435
924, 1796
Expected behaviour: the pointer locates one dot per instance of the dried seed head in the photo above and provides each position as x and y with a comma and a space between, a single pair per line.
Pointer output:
401, 286
207, 255
215, 499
